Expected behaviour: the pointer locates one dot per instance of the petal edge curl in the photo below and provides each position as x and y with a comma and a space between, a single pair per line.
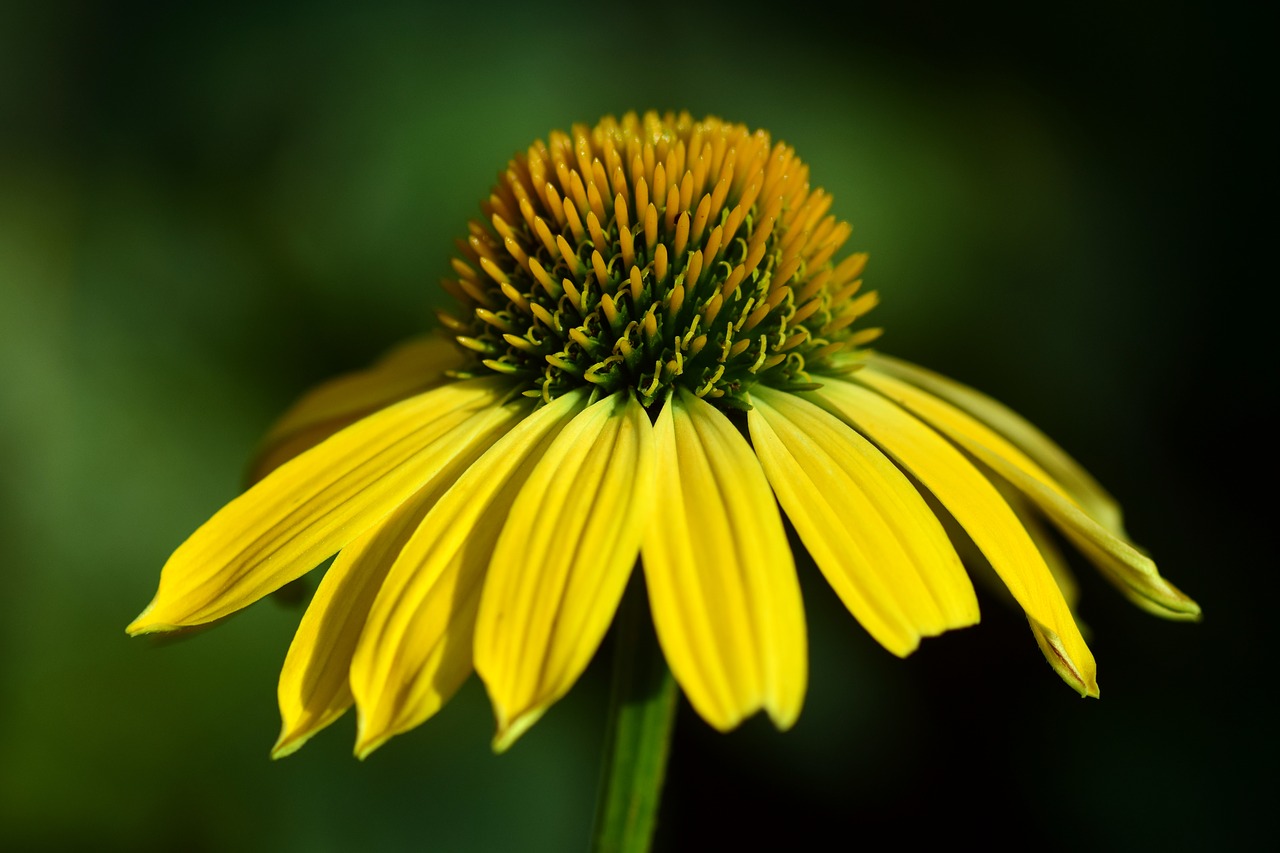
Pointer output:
1119, 561
977, 506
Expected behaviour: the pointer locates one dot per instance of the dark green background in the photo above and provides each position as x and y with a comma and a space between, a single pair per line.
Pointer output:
204, 210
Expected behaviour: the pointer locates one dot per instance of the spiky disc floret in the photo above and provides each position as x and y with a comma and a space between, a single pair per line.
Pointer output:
652, 251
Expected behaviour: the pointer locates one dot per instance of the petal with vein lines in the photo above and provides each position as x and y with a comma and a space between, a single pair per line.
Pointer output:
416, 647
1048, 548
722, 583
411, 368
1119, 561
1072, 476
981, 511
314, 684
563, 560
313, 505
872, 535
1053, 558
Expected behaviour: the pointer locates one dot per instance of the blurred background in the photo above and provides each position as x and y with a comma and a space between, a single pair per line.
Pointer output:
207, 207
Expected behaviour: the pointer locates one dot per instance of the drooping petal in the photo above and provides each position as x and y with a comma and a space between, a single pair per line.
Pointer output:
722, 583
312, 506
410, 369
867, 527
314, 685
1048, 548
562, 561
979, 568
1119, 561
416, 647
978, 507
1062, 469
1062, 575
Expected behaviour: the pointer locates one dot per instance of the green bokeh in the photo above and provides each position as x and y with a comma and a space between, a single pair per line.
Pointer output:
205, 209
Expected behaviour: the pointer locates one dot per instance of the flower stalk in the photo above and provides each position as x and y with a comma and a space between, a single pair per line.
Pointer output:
637, 740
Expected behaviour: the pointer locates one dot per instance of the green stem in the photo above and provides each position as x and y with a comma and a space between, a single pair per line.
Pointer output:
641, 713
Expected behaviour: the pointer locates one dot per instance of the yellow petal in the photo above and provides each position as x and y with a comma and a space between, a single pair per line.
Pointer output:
1063, 660
314, 683
312, 506
1119, 561
976, 563
1062, 469
867, 527
562, 561
416, 647
978, 507
722, 583
412, 368
1048, 548
1053, 558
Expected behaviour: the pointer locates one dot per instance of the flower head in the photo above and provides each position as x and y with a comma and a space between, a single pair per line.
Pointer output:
654, 355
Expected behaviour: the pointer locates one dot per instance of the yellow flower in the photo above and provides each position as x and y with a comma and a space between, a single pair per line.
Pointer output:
653, 356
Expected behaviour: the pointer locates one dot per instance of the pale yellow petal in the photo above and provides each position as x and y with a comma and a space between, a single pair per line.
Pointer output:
865, 525
978, 507
721, 580
314, 682
1119, 560
563, 559
1062, 469
1129, 570
312, 506
416, 647
409, 369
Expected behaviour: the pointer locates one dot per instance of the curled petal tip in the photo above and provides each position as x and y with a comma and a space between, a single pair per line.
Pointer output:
783, 720
156, 620
1087, 689
146, 623
1179, 606
1082, 679
511, 731
141, 624
283, 750
368, 739
289, 742
365, 748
